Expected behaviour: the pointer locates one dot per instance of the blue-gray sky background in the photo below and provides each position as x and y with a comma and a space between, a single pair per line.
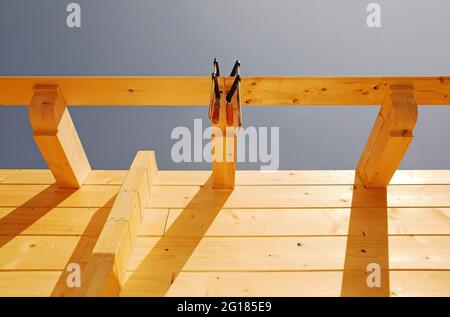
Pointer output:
176, 37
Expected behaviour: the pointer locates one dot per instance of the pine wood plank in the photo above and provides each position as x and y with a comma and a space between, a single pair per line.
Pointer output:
56, 137
45, 177
338, 90
421, 177
301, 197
282, 177
56, 221
36, 252
4, 174
110, 256
418, 221
419, 252
114, 242
302, 177
420, 283
390, 138
106, 177
28, 284
153, 222
322, 283
51, 196
30, 176
287, 253
239, 284
195, 91
262, 222
252, 197
261, 178
299, 222
224, 140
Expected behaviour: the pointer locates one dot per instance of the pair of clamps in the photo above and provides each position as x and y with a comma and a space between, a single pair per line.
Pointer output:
214, 106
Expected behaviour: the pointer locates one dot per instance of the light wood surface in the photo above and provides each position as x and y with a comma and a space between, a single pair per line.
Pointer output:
224, 142
43, 228
390, 138
111, 254
195, 91
196, 241
57, 138
294, 233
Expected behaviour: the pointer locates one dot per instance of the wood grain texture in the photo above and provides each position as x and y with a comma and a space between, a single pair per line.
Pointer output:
45, 177
302, 196
51, 196
56, 137
56, 221
195, 91
290, 233
299, 222
304, 284
28, 283
224, 142
36, 252
390, 138
291, 253
244, 177
110, 256
305, 177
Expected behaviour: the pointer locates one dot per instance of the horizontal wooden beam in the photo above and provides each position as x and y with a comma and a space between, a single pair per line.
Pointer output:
195, 91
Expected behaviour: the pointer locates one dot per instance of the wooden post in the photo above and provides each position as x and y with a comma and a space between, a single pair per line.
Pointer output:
224, 141
57, 138
390, 137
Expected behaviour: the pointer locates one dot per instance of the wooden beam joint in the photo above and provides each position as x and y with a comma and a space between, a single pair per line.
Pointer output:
57, 138
390, 137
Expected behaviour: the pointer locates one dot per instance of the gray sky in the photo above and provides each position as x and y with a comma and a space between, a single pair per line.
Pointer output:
169, 37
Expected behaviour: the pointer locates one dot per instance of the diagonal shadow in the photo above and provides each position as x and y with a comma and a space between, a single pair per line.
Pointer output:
83, 250
159, 269
367, 242
13, 223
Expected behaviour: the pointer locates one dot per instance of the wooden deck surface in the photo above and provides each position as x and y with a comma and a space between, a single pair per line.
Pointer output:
287, 233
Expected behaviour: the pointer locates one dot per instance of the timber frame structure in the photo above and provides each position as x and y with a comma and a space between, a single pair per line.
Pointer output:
224, 232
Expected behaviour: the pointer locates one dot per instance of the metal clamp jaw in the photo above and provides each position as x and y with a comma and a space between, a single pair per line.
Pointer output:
232, 98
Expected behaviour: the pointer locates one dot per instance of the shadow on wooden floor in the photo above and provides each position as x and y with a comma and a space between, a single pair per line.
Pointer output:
160, 268
13, 223
367, 242
83, 251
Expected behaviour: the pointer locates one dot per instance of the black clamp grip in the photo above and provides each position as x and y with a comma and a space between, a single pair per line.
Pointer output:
214, 107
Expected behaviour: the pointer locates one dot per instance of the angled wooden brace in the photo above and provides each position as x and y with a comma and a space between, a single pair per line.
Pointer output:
390, 137
225, 117
57, 138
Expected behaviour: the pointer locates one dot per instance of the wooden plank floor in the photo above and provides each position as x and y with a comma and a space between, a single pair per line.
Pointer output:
293, 233
43, 228
288, 233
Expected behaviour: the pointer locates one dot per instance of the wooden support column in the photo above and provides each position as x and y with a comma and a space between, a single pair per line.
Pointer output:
57, 138
224, 140
106, 270
390, 137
